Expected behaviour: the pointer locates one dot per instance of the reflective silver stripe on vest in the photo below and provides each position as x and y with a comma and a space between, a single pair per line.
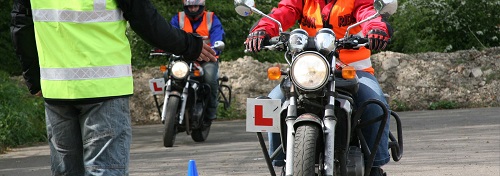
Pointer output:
182, 15
209, 21
100, 14
85, 73
361, 64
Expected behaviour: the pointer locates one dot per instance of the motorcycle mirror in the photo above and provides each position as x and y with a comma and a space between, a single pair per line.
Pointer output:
246, 7
219, 45
243, 7
385, 7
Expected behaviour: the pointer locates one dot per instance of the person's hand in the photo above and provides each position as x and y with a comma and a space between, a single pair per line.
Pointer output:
256, 40
378, 39
207, 54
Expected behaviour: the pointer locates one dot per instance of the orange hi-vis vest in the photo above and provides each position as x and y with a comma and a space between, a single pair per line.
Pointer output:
341, 16
203, 29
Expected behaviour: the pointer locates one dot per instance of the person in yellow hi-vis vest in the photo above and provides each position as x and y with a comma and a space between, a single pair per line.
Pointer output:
313, 15
195, 19
77, 56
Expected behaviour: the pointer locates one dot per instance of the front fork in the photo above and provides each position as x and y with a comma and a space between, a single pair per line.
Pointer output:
330, 122
184, 96
168, 89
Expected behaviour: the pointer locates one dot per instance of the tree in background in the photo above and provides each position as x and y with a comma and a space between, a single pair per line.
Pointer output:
10, 63
420, 26
445, 25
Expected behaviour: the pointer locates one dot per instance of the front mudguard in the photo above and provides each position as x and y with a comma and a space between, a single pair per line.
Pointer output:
306, 118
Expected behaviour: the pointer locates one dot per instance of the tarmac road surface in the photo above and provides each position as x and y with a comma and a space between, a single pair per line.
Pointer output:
441, 142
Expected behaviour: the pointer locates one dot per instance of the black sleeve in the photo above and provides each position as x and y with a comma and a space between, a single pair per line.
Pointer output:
23, 40
145, 20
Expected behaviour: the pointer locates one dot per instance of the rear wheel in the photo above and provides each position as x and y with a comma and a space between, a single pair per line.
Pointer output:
201, 134
305, 146
170, 121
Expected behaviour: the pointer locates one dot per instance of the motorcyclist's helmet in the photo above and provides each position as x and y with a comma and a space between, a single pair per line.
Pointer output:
194, 15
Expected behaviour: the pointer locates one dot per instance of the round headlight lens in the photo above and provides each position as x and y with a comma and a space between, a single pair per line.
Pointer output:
180, 69
297, 41
310, 71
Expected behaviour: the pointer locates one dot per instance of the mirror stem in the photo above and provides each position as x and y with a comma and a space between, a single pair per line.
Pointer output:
358, 23
267, 16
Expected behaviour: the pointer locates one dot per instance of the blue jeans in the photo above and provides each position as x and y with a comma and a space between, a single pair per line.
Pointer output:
211, 76
89, 139
369, 88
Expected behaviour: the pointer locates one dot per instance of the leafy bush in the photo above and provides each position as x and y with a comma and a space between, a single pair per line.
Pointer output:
236, 28
22, 119
443, 105
445, 25
10, 64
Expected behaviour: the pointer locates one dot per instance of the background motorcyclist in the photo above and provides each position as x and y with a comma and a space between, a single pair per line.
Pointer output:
313, 15
195, 19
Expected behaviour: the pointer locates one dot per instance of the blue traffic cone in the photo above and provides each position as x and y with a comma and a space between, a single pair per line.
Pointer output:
192, 171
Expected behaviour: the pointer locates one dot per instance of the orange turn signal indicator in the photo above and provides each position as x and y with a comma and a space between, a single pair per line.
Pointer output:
163, 68
273, 73
348, 72
196, 73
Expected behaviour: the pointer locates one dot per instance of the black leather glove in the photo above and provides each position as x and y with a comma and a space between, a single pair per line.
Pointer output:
378, 39
256, 40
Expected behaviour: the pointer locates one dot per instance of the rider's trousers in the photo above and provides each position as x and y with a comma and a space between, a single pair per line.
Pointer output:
211, 76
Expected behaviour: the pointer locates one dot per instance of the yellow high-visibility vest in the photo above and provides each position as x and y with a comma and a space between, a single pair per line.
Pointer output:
83, 50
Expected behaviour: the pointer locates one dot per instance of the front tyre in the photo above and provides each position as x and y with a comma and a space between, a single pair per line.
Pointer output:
305, 146
170, 121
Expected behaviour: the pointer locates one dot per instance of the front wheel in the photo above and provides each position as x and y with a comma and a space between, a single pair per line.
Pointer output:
305, 146
170, 121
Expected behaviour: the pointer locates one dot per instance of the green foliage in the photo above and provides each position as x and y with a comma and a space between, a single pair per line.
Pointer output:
229, 113
397, 105
420, 26
443, 105
235, 27
445, 25
22, 119
10, 64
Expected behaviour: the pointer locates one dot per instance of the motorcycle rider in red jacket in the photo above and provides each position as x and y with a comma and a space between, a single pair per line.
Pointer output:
312, 15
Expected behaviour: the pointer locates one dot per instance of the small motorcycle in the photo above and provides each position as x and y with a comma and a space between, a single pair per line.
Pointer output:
320, 127
186, 97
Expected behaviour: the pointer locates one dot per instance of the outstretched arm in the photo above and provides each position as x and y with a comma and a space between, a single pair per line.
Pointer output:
145, 20
23, 39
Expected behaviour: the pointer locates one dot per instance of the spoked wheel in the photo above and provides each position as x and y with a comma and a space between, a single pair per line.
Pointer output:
305, 146
170, 121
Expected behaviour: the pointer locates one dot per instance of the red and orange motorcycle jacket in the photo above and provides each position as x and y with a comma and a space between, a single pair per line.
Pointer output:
337, 15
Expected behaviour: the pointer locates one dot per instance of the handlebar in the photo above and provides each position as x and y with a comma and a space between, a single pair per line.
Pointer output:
352, 42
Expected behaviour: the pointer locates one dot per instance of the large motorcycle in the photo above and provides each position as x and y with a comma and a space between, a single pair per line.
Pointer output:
320, 127
186, 96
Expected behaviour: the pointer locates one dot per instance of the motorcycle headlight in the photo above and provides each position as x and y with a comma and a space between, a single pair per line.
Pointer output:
297, 41
324, 41
309, 71
180, 70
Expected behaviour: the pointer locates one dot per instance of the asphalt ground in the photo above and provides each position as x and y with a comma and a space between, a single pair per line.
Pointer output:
461, 142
